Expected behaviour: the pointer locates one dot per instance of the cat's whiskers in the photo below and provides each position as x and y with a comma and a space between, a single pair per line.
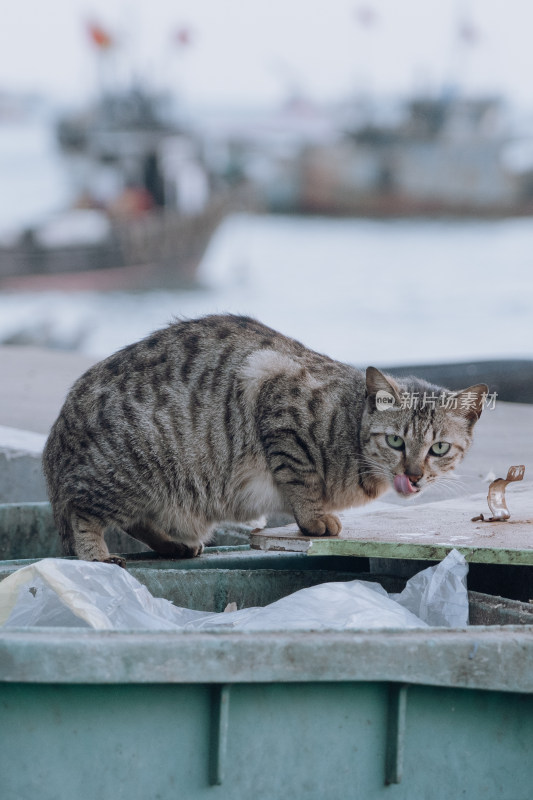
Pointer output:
445, 488
374, 465
452, 481
374, 473
375, 470
452, 486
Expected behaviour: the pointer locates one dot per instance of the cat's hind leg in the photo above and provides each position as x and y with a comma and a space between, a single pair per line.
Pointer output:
165, 544
88, 540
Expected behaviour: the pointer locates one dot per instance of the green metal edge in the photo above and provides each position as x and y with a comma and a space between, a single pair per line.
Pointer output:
408, 550
495, 659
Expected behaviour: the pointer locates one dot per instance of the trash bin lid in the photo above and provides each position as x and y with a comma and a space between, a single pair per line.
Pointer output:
426, 532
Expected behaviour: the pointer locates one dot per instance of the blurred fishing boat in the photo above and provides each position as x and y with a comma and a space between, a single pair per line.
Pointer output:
85, 249
144, 203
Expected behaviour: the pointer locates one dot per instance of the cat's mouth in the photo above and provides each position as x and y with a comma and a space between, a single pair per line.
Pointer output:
404, 486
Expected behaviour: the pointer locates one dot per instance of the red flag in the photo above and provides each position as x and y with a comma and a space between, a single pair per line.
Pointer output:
99, 36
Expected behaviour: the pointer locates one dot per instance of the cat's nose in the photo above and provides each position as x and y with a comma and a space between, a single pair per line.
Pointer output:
413, 478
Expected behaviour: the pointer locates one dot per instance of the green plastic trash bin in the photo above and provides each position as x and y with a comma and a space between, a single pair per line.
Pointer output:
438, 713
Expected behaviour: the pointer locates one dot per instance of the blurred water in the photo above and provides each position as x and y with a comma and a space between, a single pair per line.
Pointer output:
382, 292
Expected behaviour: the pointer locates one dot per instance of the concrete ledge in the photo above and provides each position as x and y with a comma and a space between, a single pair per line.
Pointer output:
35, 382
511, 379
21, 473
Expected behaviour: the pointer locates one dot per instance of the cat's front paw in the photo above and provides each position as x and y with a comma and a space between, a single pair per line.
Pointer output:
325, 525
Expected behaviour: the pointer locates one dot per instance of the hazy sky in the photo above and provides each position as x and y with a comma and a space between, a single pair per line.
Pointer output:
254, 51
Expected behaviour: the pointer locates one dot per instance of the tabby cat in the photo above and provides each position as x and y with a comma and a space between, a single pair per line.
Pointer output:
223, 418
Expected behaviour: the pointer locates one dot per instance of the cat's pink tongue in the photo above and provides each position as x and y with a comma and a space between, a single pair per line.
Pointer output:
403, 485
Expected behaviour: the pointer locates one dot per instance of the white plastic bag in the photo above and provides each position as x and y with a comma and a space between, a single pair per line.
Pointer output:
351, 605
438, 594
58, 592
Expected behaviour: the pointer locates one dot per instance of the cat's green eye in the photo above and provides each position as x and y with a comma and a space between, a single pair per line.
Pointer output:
439, 448
396, 442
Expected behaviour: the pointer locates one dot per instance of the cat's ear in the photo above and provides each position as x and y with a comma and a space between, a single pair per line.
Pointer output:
469, 402
377, 382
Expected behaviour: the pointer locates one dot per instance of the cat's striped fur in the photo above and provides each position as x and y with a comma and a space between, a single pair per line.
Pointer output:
223, 418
